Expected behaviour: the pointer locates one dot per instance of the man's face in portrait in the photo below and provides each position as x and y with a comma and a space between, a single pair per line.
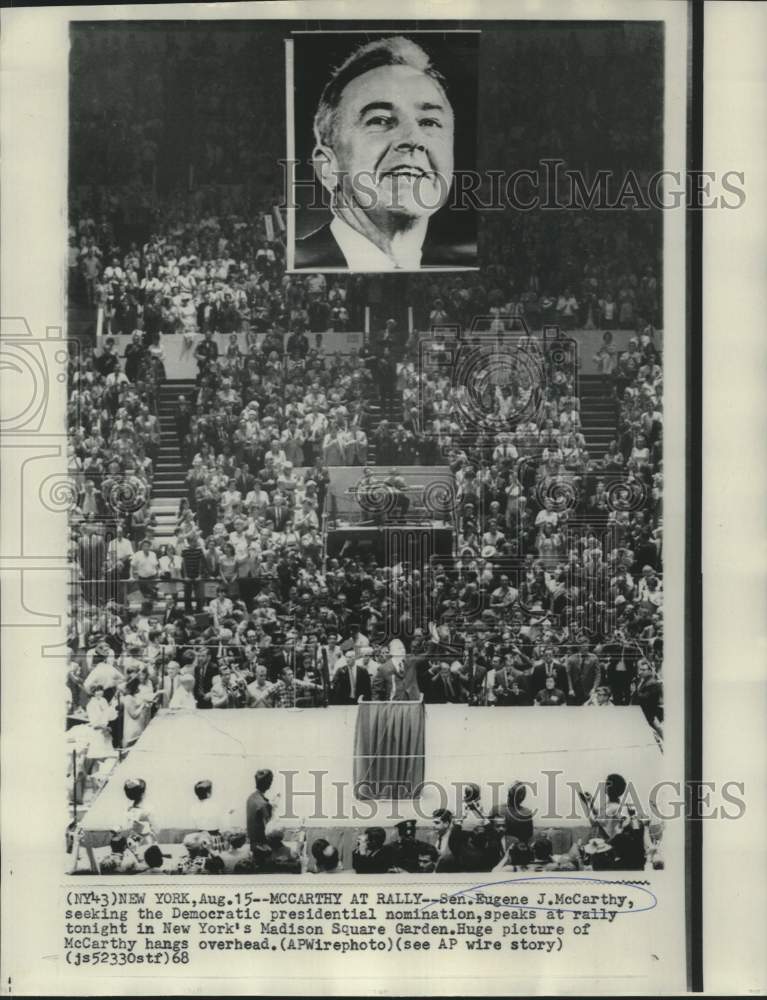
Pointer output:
392, 144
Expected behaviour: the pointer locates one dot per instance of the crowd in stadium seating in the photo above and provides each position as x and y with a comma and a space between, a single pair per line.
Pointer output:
219, 269
535, 607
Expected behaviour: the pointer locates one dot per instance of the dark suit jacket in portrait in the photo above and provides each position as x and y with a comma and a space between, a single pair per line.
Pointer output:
319, 249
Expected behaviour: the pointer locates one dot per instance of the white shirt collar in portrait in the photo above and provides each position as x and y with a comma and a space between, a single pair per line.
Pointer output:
362, 255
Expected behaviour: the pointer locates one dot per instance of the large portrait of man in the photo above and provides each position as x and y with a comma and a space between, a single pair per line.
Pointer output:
384, 135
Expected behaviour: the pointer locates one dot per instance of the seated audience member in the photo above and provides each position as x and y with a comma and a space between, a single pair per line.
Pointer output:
236, 854
207, 815
282, 857
550, 694
195, 859
155, 862
325, 858
121, 860
140, 826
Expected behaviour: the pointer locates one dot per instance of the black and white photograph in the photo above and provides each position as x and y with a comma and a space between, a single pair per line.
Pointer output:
356, 357
384, 136
357, 507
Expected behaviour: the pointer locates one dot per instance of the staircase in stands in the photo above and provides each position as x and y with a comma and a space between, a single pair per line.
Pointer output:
170, 471
392, 412
598, 414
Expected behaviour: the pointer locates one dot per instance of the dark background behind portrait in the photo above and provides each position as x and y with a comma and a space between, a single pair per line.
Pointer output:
454, 55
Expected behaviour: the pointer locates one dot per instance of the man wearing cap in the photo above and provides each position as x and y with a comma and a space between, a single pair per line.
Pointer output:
408, 853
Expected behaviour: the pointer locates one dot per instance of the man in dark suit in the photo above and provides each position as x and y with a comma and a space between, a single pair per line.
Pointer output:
474, 678
397, 680
172, 611
351, 682
204, 671
258, 812
275, 658
244, 481
548, 667
497, 840
278, 513
372, 855
474, 850
384, 135
583, 672
206, 352
447, 687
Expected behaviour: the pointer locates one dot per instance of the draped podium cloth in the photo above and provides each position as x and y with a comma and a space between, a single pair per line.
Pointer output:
389, 750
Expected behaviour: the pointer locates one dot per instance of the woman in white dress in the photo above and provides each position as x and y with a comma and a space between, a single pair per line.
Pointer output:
183, 697
100, 713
